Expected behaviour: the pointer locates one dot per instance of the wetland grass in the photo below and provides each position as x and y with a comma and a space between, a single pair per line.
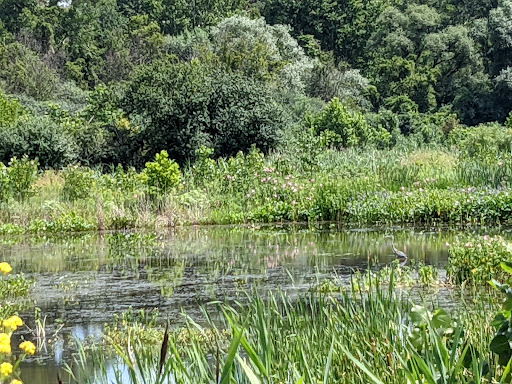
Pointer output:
364, 186
357, 335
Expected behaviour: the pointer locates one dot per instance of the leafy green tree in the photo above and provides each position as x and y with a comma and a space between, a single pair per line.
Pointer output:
415, 55
22, 71
261, 50
186, 105
180, 15
328, 81
11, 11
340, 26
500, 34
350, 126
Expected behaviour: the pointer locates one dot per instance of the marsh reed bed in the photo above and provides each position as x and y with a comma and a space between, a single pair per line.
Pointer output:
370, 335
458, 185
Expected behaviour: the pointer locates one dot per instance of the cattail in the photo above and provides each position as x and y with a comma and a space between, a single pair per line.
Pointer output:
163, 351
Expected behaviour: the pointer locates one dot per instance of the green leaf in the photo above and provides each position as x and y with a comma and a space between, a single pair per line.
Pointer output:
253, 356
361, 366
441, 319
419, 315
500, 345
329, 362
253, 379
506, 266
422, 366
233, 349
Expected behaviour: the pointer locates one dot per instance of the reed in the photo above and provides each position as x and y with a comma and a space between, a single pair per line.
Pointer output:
358, 335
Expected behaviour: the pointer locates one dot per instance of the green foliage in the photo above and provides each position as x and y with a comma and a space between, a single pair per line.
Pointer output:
15, 286
204, 167
261, 51
500, 344
350, 126
16, 180
78, 182
39, 138
483, 141
22, 175
477, 259
163, 174
10, 110
187, 105
22, 71
4, 183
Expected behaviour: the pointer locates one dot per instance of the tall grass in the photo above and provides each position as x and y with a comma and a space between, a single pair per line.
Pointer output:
363, 186
359, 336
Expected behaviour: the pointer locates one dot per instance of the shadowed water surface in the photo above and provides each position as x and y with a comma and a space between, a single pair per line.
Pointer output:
82, 281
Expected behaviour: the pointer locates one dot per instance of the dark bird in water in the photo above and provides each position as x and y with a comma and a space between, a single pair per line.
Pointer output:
398, 253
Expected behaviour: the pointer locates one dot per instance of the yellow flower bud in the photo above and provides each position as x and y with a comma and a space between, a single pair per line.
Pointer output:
28, 347
13, 323
5, 268
5, 343
6, 369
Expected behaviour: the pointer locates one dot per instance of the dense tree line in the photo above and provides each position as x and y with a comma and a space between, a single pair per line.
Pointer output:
107, 82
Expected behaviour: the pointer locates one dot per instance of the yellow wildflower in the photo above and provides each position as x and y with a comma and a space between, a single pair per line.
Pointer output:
5, 369
5, 343
5, 268
28, 347
13, 322
16, 381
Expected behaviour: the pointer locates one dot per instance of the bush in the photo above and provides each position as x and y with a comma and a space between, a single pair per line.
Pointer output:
478, 259
163, 174
78, 182
350, 126
186, 105
10, 110
38, 138
22, 175
22, 71
485, 140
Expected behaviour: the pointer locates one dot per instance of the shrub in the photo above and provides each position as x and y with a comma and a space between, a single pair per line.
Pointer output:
10, 110
163, 174
22, 175
186, 105
351, 126
485, 140
78, 182
204, 168
22, 71
39, 138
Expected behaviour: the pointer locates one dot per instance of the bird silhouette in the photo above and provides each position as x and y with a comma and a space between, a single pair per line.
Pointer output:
398, 253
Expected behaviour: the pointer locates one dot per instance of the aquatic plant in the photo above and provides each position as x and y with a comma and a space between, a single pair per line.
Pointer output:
477, 258
332, 338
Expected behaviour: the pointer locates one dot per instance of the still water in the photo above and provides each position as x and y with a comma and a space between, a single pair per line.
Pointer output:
82, 281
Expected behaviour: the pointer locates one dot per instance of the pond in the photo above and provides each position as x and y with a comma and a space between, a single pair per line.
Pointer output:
82, 281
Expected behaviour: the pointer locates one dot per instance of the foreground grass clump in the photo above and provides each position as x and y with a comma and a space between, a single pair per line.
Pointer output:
356, 336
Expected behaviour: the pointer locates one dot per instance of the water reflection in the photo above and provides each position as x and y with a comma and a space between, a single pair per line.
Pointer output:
81, 281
